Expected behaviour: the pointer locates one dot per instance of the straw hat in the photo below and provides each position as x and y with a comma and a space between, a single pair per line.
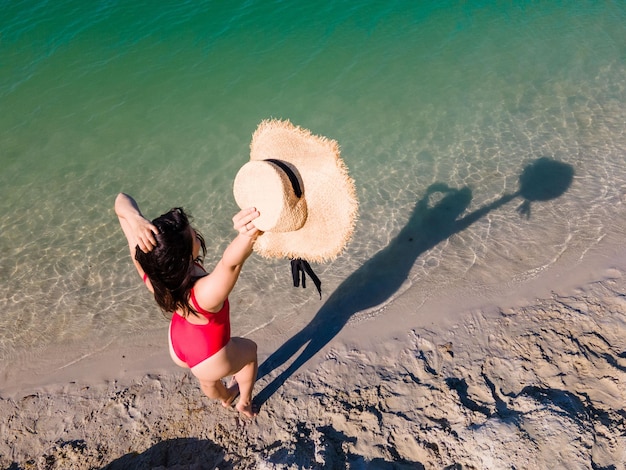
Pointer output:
301, 188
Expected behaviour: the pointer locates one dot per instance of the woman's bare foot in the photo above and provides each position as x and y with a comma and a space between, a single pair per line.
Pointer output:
246, 410
233, 392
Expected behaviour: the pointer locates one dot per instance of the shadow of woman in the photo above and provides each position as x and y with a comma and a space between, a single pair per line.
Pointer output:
383, 274
179, 453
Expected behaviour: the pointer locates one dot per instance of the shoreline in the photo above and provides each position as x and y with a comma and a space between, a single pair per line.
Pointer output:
535, 376
121, 358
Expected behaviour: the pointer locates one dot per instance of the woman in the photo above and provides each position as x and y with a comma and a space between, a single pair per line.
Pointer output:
167, 255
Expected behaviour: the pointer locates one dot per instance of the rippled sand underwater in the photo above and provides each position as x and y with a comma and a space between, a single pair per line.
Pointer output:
440, 111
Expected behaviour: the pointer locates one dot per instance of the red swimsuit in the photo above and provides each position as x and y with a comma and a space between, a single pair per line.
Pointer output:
195, 343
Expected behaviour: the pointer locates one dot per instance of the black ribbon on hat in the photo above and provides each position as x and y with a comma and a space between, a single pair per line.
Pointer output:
300, 267
293, 179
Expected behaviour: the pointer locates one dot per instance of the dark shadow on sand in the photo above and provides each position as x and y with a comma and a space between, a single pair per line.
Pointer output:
174, 453
191, 453
383, 274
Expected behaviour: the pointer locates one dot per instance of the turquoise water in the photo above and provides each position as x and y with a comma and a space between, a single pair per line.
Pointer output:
160, 101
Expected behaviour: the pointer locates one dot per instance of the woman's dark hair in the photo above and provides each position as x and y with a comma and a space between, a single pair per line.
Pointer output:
170, 264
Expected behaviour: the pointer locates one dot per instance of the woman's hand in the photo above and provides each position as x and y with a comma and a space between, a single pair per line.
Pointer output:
242, 222
139, 231
143, 233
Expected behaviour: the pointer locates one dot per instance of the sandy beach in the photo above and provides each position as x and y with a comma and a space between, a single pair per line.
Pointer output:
533, 377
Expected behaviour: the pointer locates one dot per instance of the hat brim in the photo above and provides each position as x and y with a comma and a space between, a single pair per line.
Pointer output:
330, 193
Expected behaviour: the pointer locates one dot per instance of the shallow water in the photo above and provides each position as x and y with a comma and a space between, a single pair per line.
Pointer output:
161, 102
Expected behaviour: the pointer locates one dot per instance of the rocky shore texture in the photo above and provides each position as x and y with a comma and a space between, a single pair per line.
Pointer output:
541, 386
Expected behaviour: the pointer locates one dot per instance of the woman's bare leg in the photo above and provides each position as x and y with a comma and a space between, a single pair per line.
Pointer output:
238, 358
246, 376
216, 389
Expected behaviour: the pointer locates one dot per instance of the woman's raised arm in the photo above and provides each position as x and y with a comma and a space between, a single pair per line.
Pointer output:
138, 230
212, 290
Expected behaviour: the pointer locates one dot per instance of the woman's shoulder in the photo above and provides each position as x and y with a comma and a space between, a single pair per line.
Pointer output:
204, 296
